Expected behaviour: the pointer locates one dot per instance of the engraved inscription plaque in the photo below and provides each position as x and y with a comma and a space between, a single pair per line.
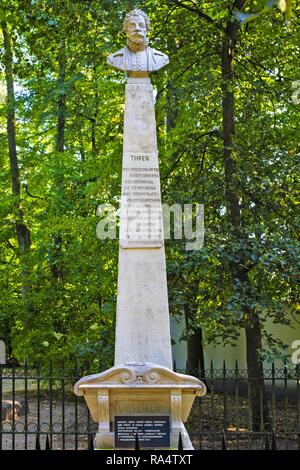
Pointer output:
152, 431
141, 211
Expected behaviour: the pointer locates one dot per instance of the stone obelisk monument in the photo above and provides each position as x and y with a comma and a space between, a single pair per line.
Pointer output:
143, 328
140, 394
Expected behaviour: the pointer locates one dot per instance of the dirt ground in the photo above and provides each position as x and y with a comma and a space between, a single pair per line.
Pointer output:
62, 436
205, 425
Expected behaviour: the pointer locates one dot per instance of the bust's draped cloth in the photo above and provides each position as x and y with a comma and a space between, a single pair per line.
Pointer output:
122, 60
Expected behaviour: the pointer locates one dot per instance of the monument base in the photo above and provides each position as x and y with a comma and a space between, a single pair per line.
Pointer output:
140, 399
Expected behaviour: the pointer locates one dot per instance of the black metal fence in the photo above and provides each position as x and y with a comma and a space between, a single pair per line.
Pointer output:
39, 410
224, 418
37, 404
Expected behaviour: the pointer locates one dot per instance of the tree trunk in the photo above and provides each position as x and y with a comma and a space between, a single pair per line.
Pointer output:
61, 111
96, 103
22, 231
257, 394
258, 403
253, 329
56, 264
195, 355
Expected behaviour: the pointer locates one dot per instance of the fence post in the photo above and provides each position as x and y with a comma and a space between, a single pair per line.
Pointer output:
267, 442
26, 403
137, 444
47, 445
224, 396
91, 442
63, 405
1, 406
273, 443
237, 405
180, 445
212, 406
37, 442
77, 376
13, 404
297, 370
224, 442
38, 396
51, 400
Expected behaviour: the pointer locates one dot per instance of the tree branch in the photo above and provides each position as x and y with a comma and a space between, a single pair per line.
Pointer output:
183, 72
209, 133
31, 195
200, 13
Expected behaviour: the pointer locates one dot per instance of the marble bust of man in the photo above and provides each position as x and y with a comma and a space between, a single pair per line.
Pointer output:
137, 56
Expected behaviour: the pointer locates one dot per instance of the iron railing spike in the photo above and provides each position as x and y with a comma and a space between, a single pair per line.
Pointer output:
136, 443
180, 444
91, 442
37, 442
224, 441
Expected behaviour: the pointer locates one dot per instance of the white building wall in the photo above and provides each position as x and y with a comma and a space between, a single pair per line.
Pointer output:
230, 354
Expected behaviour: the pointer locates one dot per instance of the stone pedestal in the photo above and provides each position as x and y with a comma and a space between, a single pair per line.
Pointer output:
143, 390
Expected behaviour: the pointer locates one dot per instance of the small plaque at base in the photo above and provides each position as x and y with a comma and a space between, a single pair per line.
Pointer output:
153, 431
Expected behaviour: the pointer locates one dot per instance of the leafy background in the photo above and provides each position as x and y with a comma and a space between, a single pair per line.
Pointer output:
58, 292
